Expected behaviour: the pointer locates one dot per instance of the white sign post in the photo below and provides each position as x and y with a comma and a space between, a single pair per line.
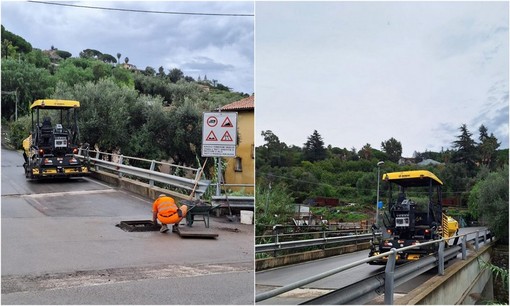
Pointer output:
219, 134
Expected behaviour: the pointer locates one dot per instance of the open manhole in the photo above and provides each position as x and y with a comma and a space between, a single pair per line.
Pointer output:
139, 226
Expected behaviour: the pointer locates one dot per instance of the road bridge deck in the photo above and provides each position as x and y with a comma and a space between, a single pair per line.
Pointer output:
60, 245
278, 277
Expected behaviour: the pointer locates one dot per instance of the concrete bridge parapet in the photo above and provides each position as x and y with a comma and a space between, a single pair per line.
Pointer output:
464, 282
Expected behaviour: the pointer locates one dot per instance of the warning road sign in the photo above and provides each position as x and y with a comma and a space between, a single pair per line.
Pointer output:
211, 137
219, 139
226, 137
227, 123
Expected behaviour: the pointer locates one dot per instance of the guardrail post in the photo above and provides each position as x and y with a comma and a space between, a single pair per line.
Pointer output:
325, 240
464, 250
477, 246
389, 278
95, 164
198, 174
440, 257
121, 158
276, 243
485, 237
153, 165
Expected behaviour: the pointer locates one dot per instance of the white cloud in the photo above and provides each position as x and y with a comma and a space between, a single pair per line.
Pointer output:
147, 39
362, 72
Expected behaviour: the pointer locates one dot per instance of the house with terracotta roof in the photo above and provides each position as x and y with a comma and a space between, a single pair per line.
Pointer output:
240, 170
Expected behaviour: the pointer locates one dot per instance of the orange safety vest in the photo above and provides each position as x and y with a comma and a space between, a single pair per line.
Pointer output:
167, 210
164, 206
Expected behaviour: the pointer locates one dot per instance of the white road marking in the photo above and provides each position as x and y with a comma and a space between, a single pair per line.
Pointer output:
60, 193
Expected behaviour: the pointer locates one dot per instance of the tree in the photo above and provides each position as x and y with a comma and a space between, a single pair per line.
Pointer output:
175, 75
147, 128
75, 71
19, 43
126, 60
487, 148
123, 77
149, 71
455, 177
366, 152
107, 58
272, 153
220, 86
465, 149
90, 53
184, 134
393, 148
30, 82
104, 112
8, 49
189, 79
118, 57
273, 205
38, 58
101, 70
314, 149
161, 72
490, 198
63, 54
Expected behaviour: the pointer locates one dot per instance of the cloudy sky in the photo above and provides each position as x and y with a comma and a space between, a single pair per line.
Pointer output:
363, 72
219, 47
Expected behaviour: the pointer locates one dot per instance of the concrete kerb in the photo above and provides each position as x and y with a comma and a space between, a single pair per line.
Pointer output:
456, 293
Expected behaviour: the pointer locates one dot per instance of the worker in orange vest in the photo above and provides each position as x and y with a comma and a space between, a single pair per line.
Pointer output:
167, 212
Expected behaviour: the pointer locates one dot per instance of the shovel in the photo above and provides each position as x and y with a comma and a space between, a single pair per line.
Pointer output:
230, 217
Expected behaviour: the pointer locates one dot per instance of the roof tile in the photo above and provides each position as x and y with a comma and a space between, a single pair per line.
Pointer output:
243, 104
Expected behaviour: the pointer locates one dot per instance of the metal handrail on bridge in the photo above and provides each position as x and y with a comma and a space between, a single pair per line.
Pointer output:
151, 174
296, 244
364, 290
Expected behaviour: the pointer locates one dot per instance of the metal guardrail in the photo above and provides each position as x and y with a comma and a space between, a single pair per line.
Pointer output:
323, 241
118, 166
243, 202
365, 290
314, 230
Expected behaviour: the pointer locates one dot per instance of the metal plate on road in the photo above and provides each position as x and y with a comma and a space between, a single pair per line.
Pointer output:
191, 232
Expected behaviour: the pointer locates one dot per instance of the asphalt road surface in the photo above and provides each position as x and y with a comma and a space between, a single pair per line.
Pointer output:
60, 245
279, 277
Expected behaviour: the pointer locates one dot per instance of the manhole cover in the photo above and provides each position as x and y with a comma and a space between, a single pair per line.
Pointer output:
139, 226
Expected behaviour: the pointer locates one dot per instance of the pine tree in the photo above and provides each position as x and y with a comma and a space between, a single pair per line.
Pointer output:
314, 149
465, 149
487, 148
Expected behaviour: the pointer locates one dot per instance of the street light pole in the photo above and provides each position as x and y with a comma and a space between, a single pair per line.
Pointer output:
377, 203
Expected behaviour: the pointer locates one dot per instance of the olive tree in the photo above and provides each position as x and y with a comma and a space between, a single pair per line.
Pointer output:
489, 198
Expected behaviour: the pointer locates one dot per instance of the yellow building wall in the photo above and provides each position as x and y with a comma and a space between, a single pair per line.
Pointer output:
245, 151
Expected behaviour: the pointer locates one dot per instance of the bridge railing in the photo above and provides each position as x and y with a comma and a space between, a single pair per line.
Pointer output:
369, 288
147, 170
281, 241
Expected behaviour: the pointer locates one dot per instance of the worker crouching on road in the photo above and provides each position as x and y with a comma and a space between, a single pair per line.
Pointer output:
167, 212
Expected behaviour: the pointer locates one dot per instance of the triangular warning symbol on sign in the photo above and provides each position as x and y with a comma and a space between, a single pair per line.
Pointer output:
226, 137
211, 137
227, 123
